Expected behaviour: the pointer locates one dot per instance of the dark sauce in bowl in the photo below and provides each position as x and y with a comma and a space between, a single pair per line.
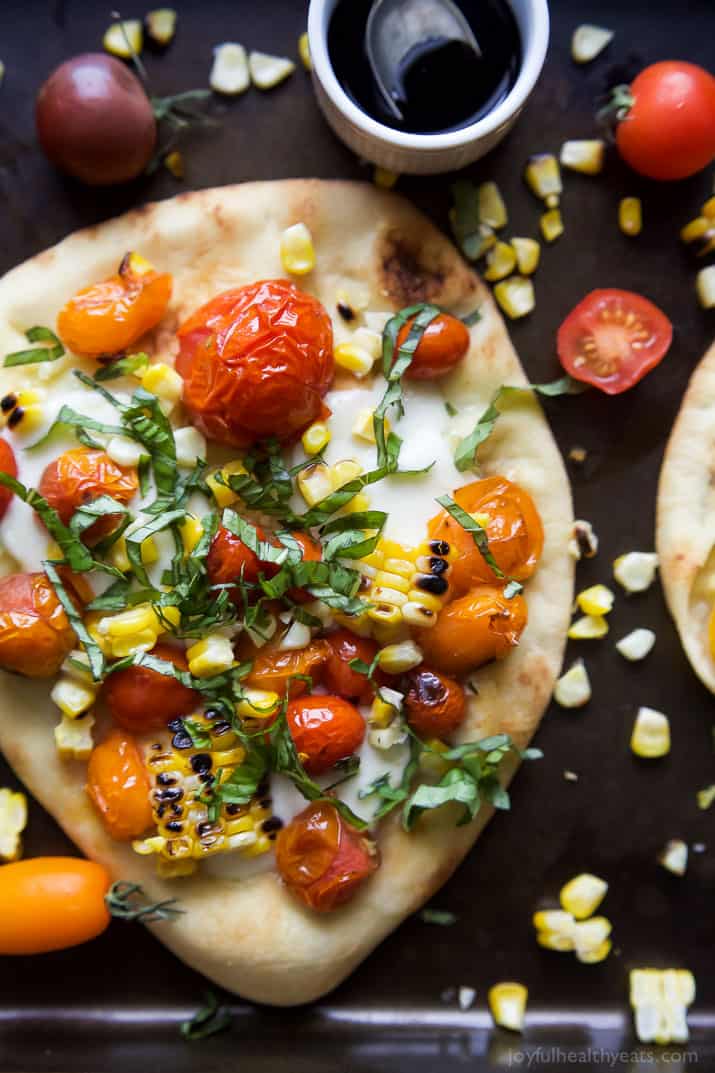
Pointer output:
444, 85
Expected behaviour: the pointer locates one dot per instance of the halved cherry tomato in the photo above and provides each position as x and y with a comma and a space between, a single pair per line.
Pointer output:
325, 729
80, 475
256, 362
50, 903
322, 859
273, 668
668, 132
118, 784
141, 699
107, 317
339, 677
612, 339
7, 465
35, 633
474, 629
514, 532
444, 343
435, 705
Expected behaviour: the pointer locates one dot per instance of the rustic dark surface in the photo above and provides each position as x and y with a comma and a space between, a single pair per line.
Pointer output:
115, 1004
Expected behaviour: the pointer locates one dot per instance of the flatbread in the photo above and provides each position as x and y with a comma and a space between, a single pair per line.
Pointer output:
685, 529
251, 936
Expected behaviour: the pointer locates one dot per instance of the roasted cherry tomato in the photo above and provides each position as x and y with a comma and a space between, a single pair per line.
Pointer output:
322, 859
230, 561
474, 629
118, 783
141, 699
256, 362
338, 676
7, 465
444, 343
668, 129
50, 903
108, 317
612, 339
35, 633
514, 531
80, 475
325, 729
435, 705
273, 668
312, 553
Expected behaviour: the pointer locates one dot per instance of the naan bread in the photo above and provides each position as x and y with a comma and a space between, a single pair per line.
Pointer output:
685, 531
251, 936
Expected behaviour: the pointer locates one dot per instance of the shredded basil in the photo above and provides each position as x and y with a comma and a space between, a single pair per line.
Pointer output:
94, 652
50, 352
132, 363
443, 917
470, 525
207, 1021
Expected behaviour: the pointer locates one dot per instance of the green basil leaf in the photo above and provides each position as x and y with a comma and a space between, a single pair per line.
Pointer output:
207, 1021
132, 363
136, 538
443, 917
457, 786
94, 652
470, 525
36, 355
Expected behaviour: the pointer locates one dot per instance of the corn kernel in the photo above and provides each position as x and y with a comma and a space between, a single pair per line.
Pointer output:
597, 600
73, 737
515, 296
582, 895
257, 703
164, 382
706, 797
27, 415
71, 669
695, 229
585, 156
315, 438
224, 495
297, 636
161, 25
384, 178
636, 644
304, 52
268, 71
588, 41
490, 206
368, 340
123, 451
314, 483
588, 628
359, 502
674, 856
381, 712
356, 359
229, 71
395, 659
590, 955
297, 250
528, 252
554, 929
630, 216
387, 614
191, 531
344, 471
13, 820
660, 998
212, 655
507, 1003
72, 697
501, 262
705, 287
124, 39
190, 446
651, 734
573, 688
386, 579
635, 570
543, 175
364, 428
552, 225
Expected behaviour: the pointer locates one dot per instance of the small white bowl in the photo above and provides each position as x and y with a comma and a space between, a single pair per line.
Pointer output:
425, 154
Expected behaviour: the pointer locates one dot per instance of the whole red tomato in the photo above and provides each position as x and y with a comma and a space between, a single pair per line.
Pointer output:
141, 699
443, 344
325, 729
256, 362
338, 676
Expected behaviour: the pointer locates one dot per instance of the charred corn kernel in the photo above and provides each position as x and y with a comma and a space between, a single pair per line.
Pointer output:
515, 296
596, 600
630, 216
396, 659
386, 612
507, 1003
218, 483
490, 203
229, 72
190, 446
660, 998
501, 261
134, 264
674, 856
161, 24
268, 71
257, 703
635, 570
543, 175
26, 414
695, 229
554, 929
406, 584
124, 38
212, 655
584, 541
363, 426
705, 797
552, 225
352, 299
588, 628
384, 178
588, 41
174, 164
304, 52
297, 250
705, 287
636, 644
345, 470
72, 697
164, 382
651, 734
573, 689
13, 820
356, 359
528, 252
585, 156
314, 483
73, 737
582, 895
123, 451
315, 438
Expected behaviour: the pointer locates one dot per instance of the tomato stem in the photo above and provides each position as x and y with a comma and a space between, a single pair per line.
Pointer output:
620, 102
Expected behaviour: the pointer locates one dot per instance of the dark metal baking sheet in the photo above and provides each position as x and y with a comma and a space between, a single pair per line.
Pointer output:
115, 1004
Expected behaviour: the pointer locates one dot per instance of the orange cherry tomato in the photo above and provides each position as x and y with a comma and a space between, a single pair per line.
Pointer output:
435, 705
7, 465
35, 633
140, 699
325, 729
256, 362
514, 531
118, 784
273, 669
444, 343
474, 629
108, 317
50, 903
81, 475
322, 859
338, 676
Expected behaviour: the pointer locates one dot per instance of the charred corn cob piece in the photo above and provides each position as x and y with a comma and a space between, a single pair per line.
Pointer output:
406, 584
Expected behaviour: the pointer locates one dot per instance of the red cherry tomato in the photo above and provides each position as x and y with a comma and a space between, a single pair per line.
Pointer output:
256, 362
612, 339
668, 131
325, 729
274, 669
312, 553
140, 699
81, 475
338, 676
444, 343
435, 705
7, 465
118, 784
322, 859
230, 560
35, 633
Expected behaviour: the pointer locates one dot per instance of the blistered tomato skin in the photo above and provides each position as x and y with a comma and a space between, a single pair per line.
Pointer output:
435, 705
35, 633
81, 475
311, 553
444, 343
325, 729
51, 903
514, 532
256, 362
118, 784
338, 676
272, 668
140, 699
322, 859
230, 561
474, 629
7, 465
109, 316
